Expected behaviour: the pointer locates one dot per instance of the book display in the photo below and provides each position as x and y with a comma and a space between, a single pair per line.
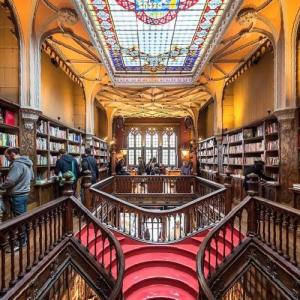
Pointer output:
101, 152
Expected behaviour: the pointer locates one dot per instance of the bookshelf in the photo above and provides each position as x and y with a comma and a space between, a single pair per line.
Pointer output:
9, 132
53, 135
101, 152
208, 155
243, 146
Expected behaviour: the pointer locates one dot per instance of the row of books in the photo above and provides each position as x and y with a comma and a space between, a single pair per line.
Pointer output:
272, 161
8, 117
272, 128
8, 140
273, 145
208, 144
74, 137
252, 159
208, 160
99, 152
57, 132
233, 160
53, 159
235, 137
42, 127
41, 143
209, 152
254, 147
41, 160
249, 133
54, 146
235, 149
102, 161
4, 162
74, 149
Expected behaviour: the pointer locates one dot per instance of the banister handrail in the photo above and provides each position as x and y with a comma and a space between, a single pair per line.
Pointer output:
157, 211
54, 216
191, 217
201, 252
259, 212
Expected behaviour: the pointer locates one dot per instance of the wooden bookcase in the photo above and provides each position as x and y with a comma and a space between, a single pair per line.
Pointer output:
208, 157
50, 137
9, 132
53, 135
243, 146
101, 153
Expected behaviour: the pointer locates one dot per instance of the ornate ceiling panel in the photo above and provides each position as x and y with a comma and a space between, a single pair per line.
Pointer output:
154, 42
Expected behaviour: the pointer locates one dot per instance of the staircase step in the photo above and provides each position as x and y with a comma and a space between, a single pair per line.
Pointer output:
166, 270
155, 288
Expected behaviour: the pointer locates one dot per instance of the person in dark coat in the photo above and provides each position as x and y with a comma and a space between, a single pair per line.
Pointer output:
141, 167
90, 163
257, 169
67, 163
120, 168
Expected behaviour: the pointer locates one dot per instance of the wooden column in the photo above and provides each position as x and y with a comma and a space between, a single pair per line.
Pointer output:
27, 133
288, 136
113, 159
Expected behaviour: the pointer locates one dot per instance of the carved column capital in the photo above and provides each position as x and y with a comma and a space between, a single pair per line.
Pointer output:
286, 118
29, 117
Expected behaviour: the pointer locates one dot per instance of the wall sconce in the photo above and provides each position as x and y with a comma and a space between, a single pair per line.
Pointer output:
185, 152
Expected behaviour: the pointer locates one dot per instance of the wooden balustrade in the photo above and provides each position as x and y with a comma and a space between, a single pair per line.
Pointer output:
26, 240
274, 225
159, 225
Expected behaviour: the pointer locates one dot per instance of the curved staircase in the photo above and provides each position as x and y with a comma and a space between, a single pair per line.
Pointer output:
160, 271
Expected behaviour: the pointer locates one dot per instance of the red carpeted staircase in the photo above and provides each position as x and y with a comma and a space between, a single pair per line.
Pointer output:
166, 271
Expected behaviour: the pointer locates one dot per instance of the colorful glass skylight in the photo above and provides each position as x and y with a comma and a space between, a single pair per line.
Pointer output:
155, 37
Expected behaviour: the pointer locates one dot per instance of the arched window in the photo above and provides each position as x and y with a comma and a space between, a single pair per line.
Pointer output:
169, 152
134, 147
151, 149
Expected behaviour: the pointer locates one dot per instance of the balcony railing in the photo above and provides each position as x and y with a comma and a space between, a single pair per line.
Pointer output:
271, 229
155, 225
45, 231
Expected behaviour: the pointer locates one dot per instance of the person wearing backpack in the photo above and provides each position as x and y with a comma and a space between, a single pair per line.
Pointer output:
89, 163
67, 163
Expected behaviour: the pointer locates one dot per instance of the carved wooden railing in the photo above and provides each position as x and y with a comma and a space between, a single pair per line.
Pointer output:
272, 226
45, 230
159, 225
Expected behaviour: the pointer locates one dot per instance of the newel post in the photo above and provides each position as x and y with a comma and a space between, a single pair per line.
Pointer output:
86, 183
253, 186
68, 192
228, 193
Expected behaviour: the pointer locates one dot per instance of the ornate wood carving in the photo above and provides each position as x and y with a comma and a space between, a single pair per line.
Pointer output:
27, 132
288, 132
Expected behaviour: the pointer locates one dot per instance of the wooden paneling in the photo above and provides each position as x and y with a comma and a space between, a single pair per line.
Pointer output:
298, 70
100, 122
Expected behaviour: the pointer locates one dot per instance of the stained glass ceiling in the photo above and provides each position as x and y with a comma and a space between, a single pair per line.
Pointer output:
155, 41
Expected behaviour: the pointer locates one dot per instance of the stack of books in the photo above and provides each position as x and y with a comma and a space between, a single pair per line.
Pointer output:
296, 186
